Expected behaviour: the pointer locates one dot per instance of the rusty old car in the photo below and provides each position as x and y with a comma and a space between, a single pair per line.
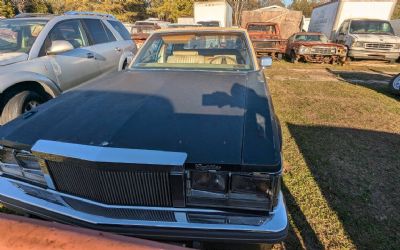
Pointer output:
266, 39
314, 48
184, 146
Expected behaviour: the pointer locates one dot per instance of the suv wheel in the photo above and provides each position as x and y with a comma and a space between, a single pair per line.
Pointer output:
20, 103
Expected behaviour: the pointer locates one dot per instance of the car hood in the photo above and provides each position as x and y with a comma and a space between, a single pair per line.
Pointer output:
12, 57
204, 114
376, 38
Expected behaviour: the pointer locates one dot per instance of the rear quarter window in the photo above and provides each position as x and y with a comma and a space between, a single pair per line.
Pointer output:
120, 28
97, 31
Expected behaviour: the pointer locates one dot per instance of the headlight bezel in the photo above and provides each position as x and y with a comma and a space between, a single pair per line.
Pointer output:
14, 163
358, 44
303, 50
235, 198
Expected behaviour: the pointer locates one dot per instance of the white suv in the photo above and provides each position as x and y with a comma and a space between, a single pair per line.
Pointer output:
43, 56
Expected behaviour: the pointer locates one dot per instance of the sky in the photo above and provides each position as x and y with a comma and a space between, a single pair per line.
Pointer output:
287, 2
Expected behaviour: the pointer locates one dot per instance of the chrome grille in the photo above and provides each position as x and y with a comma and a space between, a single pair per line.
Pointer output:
379, 46
323, 50
113, 186
122, 213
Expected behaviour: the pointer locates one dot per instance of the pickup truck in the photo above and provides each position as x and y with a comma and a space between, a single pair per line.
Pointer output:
266, 39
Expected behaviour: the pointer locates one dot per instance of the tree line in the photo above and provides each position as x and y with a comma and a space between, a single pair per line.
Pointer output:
132, 10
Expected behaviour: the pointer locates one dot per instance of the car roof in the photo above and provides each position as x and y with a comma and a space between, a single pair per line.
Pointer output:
199, 29
365, 19
67, 15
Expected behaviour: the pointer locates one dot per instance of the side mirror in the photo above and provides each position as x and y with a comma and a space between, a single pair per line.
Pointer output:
59, 46
266, 62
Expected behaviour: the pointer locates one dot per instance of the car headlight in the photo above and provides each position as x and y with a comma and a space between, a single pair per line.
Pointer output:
20, 164
397, 46
250, 191
358, 44
304, 50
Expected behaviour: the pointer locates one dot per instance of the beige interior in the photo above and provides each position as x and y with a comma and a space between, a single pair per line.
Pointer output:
194, 57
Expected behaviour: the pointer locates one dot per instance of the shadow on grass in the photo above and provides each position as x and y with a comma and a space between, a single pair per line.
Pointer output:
309, 239
357, 172
375, 80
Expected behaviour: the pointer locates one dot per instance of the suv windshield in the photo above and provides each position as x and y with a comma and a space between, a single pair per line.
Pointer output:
370, 27
312, 38
19, 35
196, 51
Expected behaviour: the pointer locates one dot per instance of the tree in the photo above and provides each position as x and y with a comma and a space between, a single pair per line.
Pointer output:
306, 6
124, 10
170, 10
274, 2
6, 9
396, 13
37, 6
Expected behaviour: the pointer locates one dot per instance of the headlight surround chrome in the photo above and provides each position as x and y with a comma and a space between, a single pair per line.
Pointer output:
20, 164
234, 190
358, 44
304, 50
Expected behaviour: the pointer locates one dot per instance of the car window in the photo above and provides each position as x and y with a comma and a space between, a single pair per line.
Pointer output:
97, 32
19, 35
71, 31
311, 38
120, 28
261, 27
344, 28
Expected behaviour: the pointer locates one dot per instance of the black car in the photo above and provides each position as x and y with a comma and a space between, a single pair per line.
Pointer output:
185, 145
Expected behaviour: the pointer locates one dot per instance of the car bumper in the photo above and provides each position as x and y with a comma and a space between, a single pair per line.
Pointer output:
147, 222
373, 54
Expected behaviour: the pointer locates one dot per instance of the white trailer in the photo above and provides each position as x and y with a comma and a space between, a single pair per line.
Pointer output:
362, 25
219, 12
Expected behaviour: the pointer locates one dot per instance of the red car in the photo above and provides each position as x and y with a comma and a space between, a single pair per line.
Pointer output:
315, 48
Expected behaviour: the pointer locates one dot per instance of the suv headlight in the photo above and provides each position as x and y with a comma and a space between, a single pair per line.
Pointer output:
20, 164
397, 46
250, 191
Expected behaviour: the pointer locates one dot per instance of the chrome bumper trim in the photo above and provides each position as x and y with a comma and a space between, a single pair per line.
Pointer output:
51, 204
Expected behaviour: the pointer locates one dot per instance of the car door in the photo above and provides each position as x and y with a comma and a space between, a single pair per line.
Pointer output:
343, 30
126, 43
75, 66
104, 43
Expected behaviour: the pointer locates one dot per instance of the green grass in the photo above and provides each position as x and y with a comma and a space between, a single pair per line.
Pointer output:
341, 151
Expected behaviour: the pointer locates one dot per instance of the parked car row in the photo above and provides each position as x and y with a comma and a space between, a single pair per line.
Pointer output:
183, 145
41, 56
350, 44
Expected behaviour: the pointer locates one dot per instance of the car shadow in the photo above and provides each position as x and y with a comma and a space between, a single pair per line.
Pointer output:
374, 80
357, 172
298, 220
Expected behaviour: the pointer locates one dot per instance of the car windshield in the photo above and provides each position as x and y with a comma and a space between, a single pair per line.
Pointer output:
18, 35
261, 27
196, 51
311, 38
371, 27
